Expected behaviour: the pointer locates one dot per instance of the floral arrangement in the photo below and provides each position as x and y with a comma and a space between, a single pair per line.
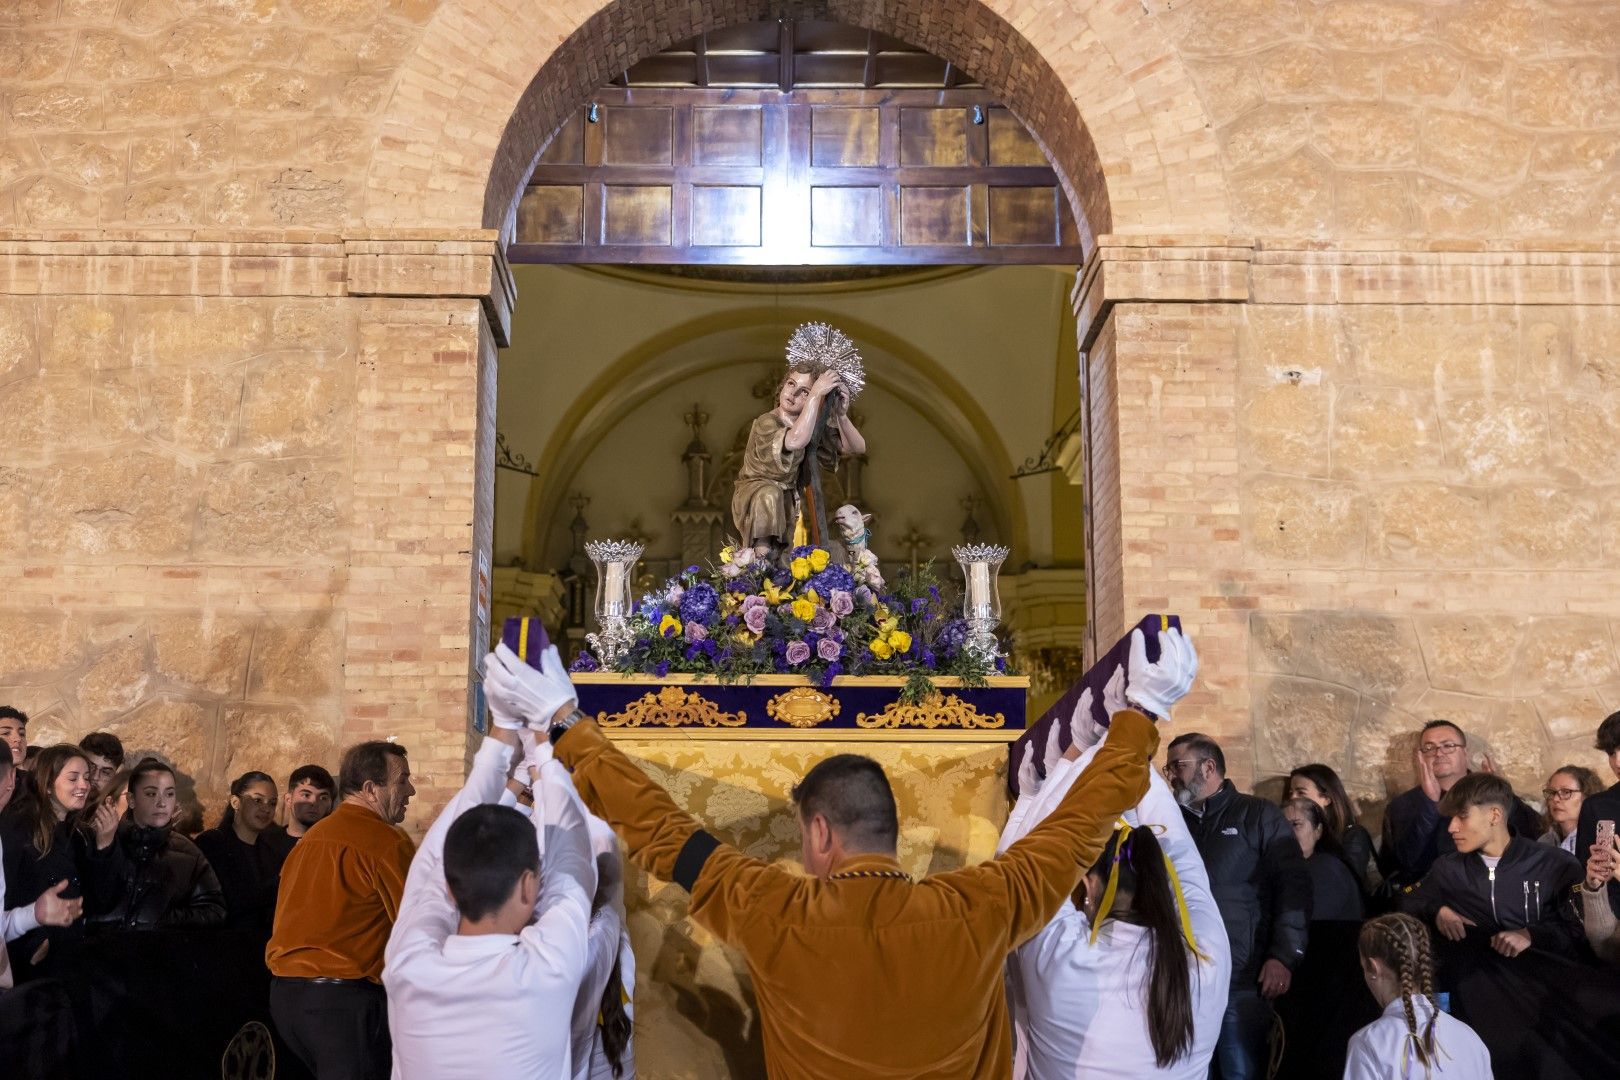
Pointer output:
812, 617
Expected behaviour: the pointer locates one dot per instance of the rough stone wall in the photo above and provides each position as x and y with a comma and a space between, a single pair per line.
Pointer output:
1411, 517
273, 436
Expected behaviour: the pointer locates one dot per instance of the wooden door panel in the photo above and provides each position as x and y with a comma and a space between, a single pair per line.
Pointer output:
636, 215
934, 215
726, 216
761, 176
846, 216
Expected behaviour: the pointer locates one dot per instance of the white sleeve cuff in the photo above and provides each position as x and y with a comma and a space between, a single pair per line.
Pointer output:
19, 921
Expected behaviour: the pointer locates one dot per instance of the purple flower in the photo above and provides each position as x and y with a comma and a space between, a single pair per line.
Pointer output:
841, 603
700, 603
783, 578
831, 580
822, 621
696, 631
918, 604
699, 649
955, 634
797, 653
927, 659
692, 570
754, 618
651, 607
752, 601
673, 594
661, 669
832, 672
864, 596
584, 662
828, 649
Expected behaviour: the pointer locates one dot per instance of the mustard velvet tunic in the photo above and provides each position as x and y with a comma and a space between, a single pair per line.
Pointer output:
872, 976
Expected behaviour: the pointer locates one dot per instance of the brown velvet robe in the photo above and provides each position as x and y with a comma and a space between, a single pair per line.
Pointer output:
874, 977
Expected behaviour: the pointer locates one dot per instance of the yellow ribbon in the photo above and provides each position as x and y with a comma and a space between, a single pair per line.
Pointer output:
1107, 903
801, 535
523, 639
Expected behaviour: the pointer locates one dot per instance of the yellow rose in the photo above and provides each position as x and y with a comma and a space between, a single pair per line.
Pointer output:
880, 649
819, 558
801, 569
900, 640
804, 609
669, 623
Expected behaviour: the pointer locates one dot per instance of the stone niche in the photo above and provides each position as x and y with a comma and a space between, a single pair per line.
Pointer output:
1352, 688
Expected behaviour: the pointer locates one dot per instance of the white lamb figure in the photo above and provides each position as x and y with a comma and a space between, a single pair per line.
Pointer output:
862, 563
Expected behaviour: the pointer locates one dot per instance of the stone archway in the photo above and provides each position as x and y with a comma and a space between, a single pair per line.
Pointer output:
1103, 90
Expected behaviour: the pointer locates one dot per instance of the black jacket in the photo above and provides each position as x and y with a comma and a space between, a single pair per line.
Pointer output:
1605, 805
1533, 887
29, 873
1415, 835
1358, 852
1258, 878
249, 875
154, 877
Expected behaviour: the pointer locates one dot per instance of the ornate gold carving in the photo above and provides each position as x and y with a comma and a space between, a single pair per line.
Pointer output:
672, 707
803, 707
934, 711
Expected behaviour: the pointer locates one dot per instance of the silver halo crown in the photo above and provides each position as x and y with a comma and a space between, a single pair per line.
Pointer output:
816, 347
613, 550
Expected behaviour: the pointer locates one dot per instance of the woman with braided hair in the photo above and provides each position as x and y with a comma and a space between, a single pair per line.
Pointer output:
1413, 1038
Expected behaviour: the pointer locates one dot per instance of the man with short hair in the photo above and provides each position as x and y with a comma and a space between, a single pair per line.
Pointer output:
1261, 885
1604, 806
1414, 832
105, 752
858, 970
14, 734
487, 954
307, 800
340, 894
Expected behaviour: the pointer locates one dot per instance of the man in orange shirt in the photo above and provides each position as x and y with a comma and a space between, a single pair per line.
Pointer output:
339, 897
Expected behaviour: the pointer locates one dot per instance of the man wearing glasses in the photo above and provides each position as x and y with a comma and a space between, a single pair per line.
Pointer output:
1414, 829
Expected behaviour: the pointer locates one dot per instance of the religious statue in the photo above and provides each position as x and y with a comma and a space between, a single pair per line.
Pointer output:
780, 500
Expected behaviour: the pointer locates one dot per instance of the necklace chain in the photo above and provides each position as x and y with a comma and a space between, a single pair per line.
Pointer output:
899, 875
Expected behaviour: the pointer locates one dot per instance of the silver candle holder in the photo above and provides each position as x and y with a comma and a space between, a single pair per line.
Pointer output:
615, 562
981, 596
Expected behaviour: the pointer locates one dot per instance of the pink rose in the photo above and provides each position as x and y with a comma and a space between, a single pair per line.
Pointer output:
754, 618
797, 652
696, 632
841, 603
828, 649
822, 621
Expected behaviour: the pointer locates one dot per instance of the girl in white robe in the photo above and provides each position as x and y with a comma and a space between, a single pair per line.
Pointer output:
1413, 1038
1080, 999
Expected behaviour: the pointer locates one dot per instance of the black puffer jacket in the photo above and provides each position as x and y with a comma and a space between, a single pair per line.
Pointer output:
154, 877
1258, 877
1531, 888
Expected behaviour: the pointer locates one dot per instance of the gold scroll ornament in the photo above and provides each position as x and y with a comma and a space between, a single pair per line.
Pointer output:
803, 707
672, 707
934, 711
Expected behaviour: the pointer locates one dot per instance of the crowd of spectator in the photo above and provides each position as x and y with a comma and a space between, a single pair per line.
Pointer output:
1482, 929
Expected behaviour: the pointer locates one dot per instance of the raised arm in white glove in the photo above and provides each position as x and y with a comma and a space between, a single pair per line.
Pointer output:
1156, 687
519, 690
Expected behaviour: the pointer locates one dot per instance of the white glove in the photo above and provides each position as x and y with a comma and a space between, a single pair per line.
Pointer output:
1114, 692
500, 714
1156, 687
518, 689
1084, 731
1054, 749
1029, 781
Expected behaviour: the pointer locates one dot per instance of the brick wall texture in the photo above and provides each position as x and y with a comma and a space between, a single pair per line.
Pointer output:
1351, 304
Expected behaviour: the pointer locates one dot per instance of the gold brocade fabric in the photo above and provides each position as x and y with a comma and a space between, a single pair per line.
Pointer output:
694, 1008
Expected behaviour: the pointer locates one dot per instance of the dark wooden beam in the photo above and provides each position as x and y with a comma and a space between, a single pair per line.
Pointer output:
952, 75
701, 47
869, 73
785, 82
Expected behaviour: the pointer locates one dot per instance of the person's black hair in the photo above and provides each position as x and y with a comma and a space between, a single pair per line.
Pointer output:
239, 785
365, 763
1608, 733
104, 744
852, 792
1203, 748
1145, 897
486, 851
615, 1021
1340, 812
315, 776
11, 712
1442, 723
1478, 789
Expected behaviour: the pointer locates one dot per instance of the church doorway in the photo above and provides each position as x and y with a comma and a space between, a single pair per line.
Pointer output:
676, 228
